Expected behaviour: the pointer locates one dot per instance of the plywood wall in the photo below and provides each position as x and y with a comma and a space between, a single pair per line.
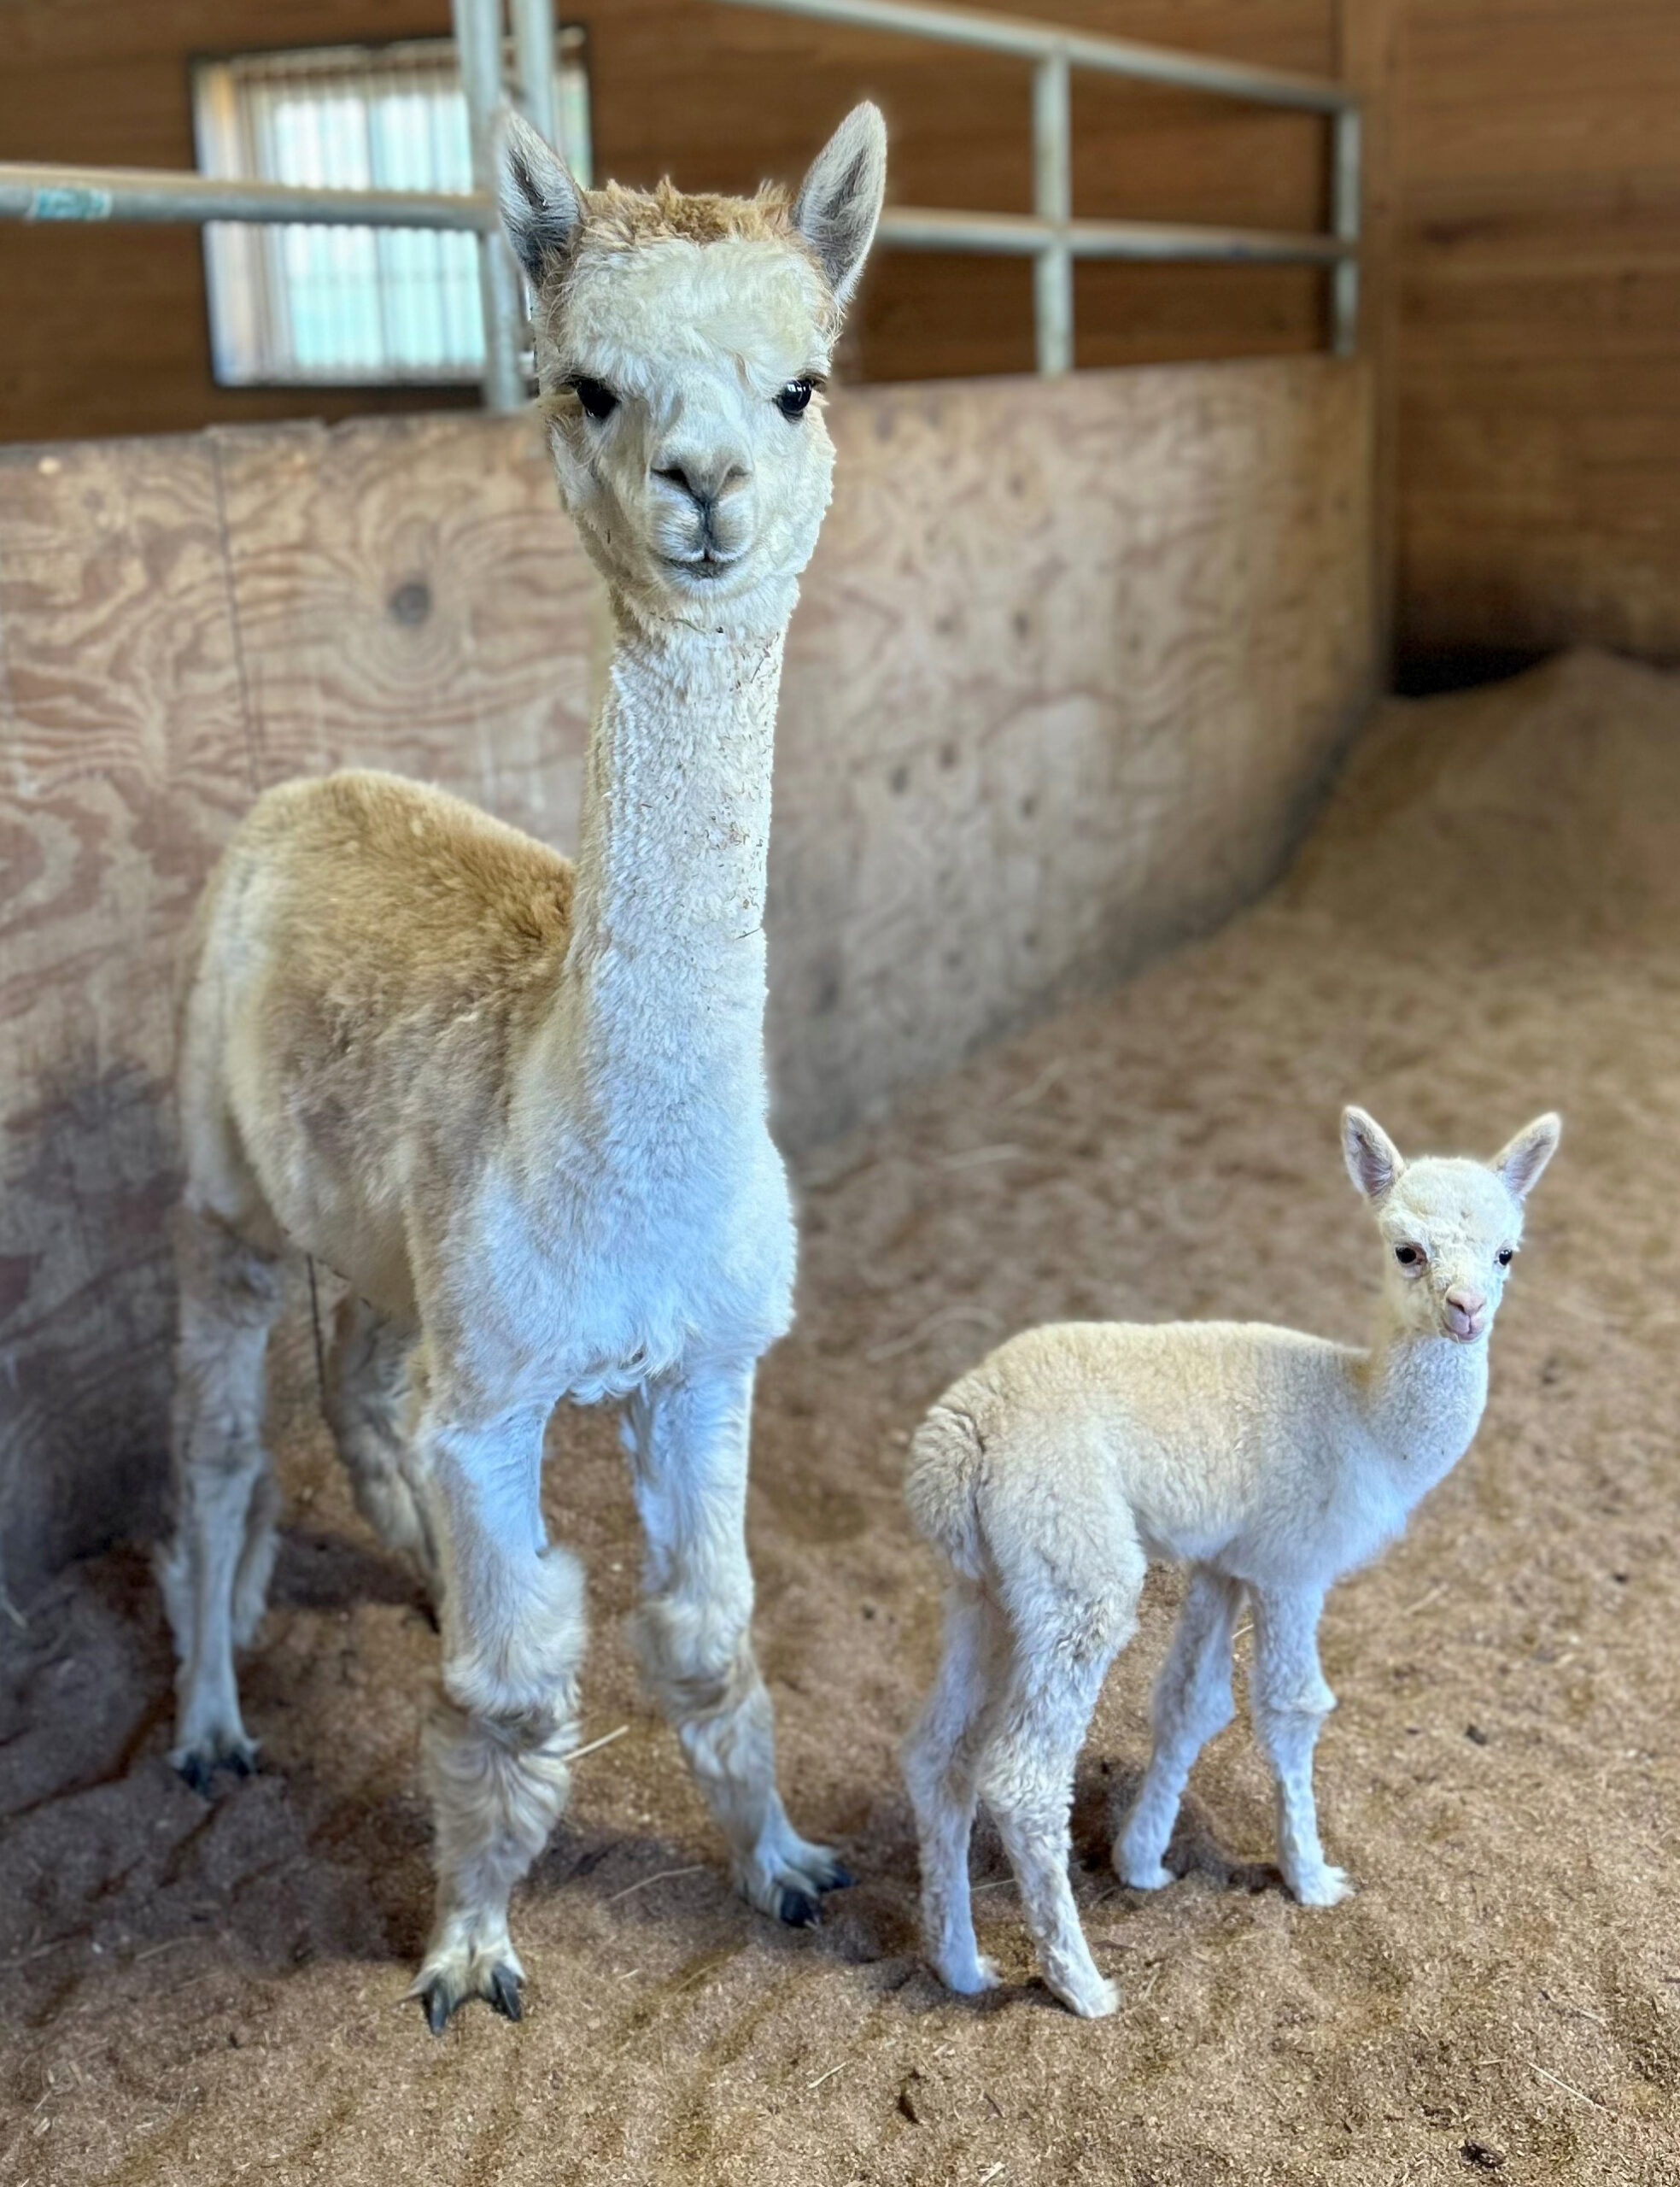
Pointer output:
1540, 328
1069, 663
104, 332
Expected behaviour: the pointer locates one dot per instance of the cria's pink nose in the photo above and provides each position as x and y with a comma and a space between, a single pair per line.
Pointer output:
1465, 1309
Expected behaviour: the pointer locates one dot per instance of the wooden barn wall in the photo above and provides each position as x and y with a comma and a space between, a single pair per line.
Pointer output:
104, 330
1539, 424
1071, 663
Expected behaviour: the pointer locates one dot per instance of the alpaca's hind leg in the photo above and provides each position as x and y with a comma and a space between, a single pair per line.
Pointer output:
367, 1404
939, 1758
1192, 1703
687, 1436
1064, 1641
505, 1721
216, 1568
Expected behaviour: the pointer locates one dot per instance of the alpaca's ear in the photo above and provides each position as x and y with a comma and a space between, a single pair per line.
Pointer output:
1373, 1160
541, 204
840, 199
1521, 1162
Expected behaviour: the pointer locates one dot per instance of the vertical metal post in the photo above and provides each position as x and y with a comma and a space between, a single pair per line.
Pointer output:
478, 51
534, 64
1346, 187
1053, 201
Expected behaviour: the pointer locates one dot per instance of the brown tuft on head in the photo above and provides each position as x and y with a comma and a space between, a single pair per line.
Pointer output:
615, 218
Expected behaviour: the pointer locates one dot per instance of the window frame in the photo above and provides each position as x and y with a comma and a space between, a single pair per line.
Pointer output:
244, 280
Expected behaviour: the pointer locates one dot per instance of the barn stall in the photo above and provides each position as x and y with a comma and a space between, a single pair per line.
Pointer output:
1074, 667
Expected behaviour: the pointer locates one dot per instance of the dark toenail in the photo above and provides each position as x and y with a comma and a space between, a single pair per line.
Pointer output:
798, 1909
505, 1993
840, 1878
438, 2008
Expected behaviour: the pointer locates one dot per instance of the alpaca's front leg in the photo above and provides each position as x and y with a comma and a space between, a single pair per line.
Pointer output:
688, 1435
1290, 1702
505, 1718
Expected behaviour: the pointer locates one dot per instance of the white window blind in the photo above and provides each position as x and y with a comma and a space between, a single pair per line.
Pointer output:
336, 306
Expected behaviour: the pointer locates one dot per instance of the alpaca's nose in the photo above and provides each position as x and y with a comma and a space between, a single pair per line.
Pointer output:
705, 478
1465, 1308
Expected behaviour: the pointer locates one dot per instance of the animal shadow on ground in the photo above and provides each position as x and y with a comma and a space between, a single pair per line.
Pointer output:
322, 1853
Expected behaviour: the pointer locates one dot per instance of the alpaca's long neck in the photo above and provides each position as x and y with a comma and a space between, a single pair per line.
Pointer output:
1423, 1398
663, 1005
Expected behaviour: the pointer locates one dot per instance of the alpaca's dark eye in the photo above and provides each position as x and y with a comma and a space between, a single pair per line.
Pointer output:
599, 401
1408, 1256
1504, 1254
794, 399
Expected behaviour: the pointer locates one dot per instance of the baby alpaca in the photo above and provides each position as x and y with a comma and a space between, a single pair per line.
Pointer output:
1269, 1461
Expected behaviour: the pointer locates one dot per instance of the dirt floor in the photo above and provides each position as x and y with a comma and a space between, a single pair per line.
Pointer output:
1483, 924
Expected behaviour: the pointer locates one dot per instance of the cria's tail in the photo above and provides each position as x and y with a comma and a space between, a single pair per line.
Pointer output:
942, 1485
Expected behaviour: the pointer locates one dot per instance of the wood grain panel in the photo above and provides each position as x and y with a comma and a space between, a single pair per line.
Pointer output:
410, 596
1069, 659
123, 766
1540, 340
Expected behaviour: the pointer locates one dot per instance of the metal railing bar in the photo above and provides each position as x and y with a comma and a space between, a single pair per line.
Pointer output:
1020, 235
478, 50
1345, 191
1053, 203
35, 191
533, 22
1015, 34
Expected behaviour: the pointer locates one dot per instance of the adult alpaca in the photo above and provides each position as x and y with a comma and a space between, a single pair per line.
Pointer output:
520, 1105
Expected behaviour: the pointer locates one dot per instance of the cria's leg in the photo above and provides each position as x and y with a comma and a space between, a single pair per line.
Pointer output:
1290, 1702
939, 1758
687, 1436
215, 1570
505, 1718
1063, 1650
1192, 1703
366, 1406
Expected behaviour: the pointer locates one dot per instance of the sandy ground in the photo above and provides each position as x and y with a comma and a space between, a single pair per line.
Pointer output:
1483, 924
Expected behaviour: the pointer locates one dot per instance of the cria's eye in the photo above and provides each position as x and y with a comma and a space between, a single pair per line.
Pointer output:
1503, 1256
794, 399
598, 400
1408, 1256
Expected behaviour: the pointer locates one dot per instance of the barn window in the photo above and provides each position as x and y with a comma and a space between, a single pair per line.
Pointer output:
297, 305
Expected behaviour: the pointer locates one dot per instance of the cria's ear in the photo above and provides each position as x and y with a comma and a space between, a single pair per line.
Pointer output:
840, 199
1373, 1160
541, 204
1521, 1162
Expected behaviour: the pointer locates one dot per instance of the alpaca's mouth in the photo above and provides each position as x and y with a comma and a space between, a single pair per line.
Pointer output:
703, 568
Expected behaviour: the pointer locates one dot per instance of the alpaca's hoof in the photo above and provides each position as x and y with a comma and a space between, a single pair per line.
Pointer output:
444, 1988
196, 1764
1144, 1876
1324, 1886
788, 1878
1091, 2000
968, 1976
